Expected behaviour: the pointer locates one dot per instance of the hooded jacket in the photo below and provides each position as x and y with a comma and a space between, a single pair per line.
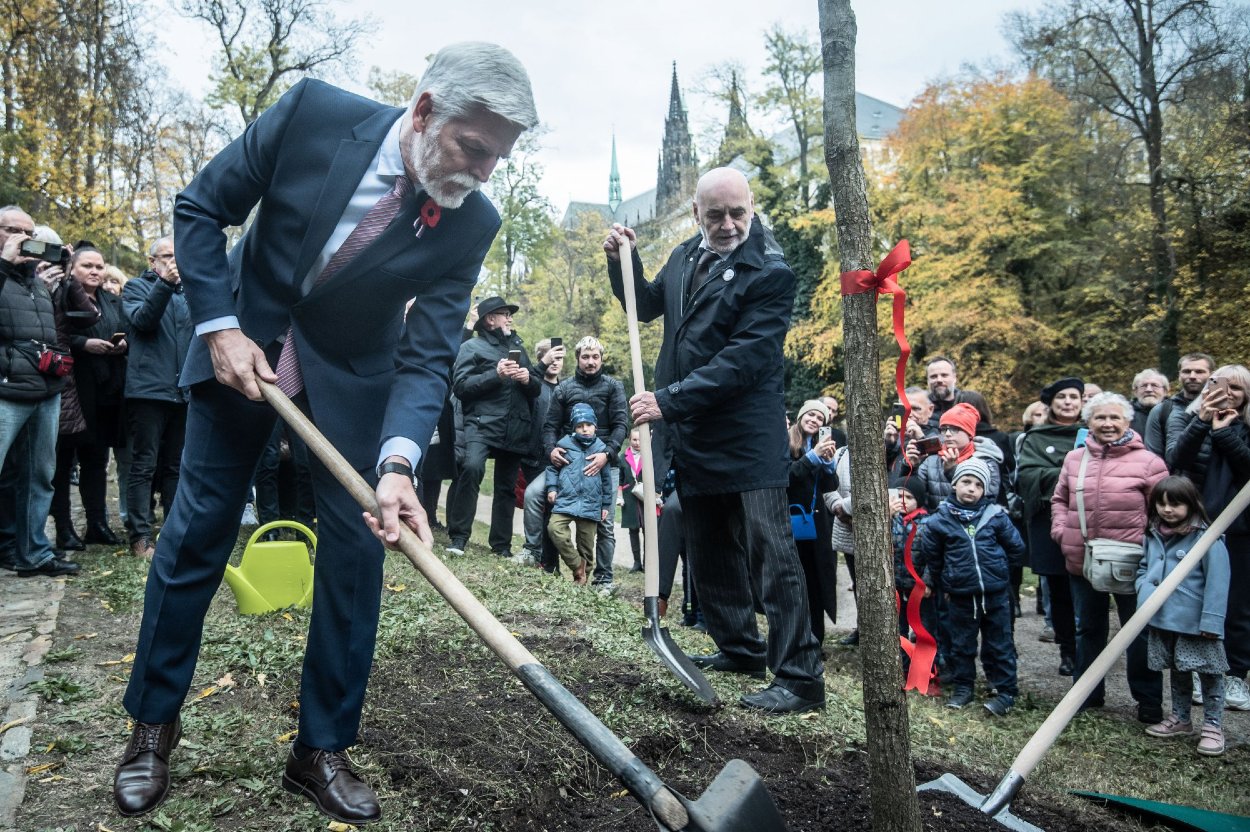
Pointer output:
970, 548
1118, 480
577, 494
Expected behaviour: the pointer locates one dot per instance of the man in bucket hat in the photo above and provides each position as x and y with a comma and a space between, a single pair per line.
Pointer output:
496, 384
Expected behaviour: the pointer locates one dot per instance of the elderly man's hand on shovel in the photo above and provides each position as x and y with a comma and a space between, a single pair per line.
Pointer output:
397, 502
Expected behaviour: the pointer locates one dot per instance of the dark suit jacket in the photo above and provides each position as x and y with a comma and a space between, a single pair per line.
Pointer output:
367, 375
720, 372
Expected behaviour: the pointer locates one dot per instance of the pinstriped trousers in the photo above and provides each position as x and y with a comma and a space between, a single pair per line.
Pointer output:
740, 547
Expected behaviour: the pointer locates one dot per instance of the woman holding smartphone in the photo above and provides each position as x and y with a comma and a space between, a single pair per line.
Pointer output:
1219, 420
811, 476
100, 378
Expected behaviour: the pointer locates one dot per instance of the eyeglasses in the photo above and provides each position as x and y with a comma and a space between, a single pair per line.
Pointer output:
162, 256
13, 229
949, 430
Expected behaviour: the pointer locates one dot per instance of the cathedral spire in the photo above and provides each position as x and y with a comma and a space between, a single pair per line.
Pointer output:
614, 180
678, 168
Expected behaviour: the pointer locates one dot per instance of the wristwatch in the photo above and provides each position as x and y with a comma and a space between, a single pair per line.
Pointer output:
395, 468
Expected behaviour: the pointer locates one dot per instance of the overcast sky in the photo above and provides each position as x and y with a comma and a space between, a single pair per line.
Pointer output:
599, 67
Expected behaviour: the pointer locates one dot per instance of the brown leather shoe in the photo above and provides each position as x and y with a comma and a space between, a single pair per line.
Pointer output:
142, 548
141, 782
326, 778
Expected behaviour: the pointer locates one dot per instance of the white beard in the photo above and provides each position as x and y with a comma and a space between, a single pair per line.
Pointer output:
448, 190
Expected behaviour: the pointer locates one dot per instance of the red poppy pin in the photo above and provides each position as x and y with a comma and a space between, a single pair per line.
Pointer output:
429, 216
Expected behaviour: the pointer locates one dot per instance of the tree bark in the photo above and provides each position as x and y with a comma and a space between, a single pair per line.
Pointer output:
891, 777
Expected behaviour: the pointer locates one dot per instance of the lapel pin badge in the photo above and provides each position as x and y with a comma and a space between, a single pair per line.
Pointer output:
428, 217
728, 275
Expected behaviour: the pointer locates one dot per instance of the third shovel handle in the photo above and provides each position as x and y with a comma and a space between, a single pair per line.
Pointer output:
651, 538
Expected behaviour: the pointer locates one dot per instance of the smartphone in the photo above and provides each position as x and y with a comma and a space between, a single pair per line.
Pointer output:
117, 338
557, 342
1218, 384
896, 416
824, 433
48, 252
1081, 436
929, 445
514, 355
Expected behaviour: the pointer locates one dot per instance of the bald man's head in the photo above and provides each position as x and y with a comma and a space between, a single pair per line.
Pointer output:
723, 208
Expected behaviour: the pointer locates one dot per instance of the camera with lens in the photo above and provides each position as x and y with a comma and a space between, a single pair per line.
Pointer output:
48, 252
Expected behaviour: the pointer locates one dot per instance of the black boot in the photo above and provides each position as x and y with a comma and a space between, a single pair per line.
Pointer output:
67, 539
99, 532
1067, 664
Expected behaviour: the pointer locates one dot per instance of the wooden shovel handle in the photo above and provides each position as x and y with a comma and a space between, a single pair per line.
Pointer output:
650, 531
480, 619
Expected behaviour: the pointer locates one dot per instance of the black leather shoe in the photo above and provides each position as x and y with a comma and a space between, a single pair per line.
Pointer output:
1067, 665
775, 699
726, 664
69, 540
50, 569
327, 779
101, 533
141, 782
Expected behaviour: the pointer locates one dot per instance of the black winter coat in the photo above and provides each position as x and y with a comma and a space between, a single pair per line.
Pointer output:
28, 324
496, 411
719, 377
968, 559
101, 379
606, 397
1227, 465
160, 333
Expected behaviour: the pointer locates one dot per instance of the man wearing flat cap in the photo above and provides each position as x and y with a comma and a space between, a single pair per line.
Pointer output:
494, 382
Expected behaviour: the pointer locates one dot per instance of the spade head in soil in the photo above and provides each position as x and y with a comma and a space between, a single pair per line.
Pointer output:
661, 643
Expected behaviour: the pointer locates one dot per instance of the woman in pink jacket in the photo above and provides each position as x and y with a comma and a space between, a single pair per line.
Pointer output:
1118, 477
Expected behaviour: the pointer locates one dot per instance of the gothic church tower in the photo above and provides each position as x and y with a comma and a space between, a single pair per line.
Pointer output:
678, 168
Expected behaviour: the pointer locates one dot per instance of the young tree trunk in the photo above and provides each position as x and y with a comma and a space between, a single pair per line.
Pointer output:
891, 778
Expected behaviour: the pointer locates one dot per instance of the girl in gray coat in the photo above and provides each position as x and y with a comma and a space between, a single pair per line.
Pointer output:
1186, 634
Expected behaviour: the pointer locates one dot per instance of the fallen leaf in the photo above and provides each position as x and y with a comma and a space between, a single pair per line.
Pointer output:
397, 587
621, 793
106, 573
288, 616
939, 723
41, 769
102, 828
226, 681
287, 737
336, 826
6, 726
261, 678
126, 659
106, 605
204, 694
85, 636
464, 792
56, 778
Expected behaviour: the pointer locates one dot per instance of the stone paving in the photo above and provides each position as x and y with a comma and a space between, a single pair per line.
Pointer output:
28, 613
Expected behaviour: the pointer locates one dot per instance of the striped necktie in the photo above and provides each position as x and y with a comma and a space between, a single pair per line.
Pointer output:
370, 227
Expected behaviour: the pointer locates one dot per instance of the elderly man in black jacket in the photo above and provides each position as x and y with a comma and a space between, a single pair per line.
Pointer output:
492, 378
726, 296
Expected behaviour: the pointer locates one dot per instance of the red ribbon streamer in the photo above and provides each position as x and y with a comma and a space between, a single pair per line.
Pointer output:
884, 281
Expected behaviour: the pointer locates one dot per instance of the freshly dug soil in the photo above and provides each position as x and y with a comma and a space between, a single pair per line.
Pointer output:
462, 741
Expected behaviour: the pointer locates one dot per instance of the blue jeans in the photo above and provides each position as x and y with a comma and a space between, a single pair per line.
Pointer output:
988, 616
29, 429
1092, 608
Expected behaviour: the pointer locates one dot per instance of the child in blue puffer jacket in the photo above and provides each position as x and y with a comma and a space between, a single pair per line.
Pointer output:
970, 545
1186, 634
579, 501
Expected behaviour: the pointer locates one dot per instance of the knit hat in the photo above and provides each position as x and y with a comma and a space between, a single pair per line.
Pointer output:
962, 416
1051, 390
973, 467
818, 406
912, 485
582, 412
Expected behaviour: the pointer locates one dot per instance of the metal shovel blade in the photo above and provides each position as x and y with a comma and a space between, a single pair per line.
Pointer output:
951, 784
661, 643
735, 802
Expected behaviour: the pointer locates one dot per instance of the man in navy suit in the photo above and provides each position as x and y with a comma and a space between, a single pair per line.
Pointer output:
359, 208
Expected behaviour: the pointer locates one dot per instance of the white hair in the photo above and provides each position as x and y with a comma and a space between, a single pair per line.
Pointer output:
152, 248
45, 234
473, 74
590, 342
1102, 400
1147, 374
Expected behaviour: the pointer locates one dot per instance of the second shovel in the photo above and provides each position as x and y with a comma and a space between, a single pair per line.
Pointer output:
654, 633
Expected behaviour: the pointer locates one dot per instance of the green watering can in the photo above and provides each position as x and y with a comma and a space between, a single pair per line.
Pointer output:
273, 574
